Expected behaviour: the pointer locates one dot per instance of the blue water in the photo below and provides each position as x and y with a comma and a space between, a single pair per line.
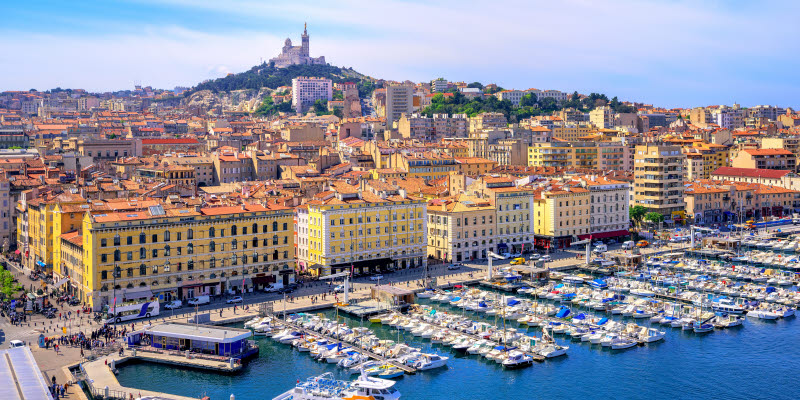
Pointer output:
756, 361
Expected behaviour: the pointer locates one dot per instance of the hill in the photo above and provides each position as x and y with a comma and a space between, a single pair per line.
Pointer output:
265, 75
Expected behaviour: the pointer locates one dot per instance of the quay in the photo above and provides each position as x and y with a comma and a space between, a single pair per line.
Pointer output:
404, 368
101, 380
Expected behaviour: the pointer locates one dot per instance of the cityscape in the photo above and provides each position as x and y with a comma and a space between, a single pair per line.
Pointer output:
298, 222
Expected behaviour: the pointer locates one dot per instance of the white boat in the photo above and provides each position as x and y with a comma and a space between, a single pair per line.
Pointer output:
517, 359
430, 361
728, 306
324, 387
622, 343
762, 314
552, 350
652, 335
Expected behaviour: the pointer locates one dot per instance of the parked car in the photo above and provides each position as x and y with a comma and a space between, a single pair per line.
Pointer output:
455, 266
273, 288
173, 305
546, 257
286, 289
505, 255
535, 256
235, 300
199, 300
518, 261
628, 245
375, 277
515, 255
16, 343
643, 243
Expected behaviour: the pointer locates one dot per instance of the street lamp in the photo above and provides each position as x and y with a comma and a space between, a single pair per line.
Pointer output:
115, 274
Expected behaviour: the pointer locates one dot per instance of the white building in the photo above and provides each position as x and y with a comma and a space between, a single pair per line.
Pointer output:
307, 90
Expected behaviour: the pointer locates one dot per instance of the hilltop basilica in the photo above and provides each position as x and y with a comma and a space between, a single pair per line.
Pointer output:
296, 55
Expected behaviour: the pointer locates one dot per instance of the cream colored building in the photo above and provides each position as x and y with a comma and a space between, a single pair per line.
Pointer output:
658, 179
461, 229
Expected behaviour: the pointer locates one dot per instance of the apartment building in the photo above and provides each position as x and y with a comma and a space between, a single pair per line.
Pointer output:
564, 155
461, 229
562, 213
425, 165
704, 158
765, 159
185, 252
371, 227
658, 179
609, 216
487, 120
513, 211
602, 117
509, 152
399, 101
715, 202
307, 90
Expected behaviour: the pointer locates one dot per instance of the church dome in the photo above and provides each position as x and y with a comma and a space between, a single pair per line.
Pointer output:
288, 42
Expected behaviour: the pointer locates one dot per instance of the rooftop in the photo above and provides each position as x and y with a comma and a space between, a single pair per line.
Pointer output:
199, 332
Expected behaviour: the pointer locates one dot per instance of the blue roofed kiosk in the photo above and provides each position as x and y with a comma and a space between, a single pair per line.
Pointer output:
198, 339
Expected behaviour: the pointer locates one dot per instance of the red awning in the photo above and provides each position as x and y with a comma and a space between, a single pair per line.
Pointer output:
605, 235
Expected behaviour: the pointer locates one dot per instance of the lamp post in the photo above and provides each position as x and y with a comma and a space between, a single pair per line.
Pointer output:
114, 275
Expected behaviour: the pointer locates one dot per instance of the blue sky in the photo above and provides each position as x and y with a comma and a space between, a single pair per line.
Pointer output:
670, 53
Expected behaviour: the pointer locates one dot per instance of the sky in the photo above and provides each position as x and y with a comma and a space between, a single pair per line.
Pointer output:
670, 53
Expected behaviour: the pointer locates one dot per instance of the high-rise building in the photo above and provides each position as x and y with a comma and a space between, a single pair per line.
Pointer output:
658, 179
399, 101
307, 90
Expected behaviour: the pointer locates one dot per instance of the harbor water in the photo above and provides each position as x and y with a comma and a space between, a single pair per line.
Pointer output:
756, 361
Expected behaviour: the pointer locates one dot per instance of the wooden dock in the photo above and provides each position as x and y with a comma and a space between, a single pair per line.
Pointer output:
404, 368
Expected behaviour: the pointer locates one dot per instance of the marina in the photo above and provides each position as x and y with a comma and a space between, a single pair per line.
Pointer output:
668, 308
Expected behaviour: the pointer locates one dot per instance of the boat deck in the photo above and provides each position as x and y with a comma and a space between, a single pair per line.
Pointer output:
365, 308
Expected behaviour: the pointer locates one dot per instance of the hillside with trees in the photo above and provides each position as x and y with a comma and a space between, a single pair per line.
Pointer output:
265, 75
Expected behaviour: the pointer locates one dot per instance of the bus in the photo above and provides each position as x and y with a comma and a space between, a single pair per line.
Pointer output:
131, 311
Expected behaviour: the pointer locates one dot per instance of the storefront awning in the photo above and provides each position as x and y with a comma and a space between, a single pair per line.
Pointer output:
61, 282
605, 235
364, 263
41, 264
17, 252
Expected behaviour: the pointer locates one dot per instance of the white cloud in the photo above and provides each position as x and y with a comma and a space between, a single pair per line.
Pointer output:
665, 52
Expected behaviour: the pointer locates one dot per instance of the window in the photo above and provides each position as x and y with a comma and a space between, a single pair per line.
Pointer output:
275, 226
244, 230
255, 228
129, 240
212, 263
167, 237
264, 228
142, 238
234, 244
116, 240
129, 272
190, 265
275, 255
255, 242
117, 255
190, 248
286, 240
103, 258
275, 239
234, 230
155, 253
212, 246
190, 234
142, 253
166, 251
142, 270
103, 242
211, 232
130, 256
154, 238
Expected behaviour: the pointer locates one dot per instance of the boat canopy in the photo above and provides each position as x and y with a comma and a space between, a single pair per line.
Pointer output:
456, 298
560, 285
513, 302
580, 316
770, 289
563, 312
482, 304
602, 321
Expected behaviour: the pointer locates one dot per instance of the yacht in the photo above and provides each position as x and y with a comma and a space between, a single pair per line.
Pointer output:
517, 359
324, 387
726, 305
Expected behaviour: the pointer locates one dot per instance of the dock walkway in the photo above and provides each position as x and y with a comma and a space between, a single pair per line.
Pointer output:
99, 376
405, 368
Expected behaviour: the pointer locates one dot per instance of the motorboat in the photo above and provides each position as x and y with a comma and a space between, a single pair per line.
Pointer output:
728, 306
763, 314
621, 343
727, 321
551, 350
652, 335
517, 359
430, 361
324, 387
703, 327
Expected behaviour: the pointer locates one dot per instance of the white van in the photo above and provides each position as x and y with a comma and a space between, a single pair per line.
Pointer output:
274, 287
16, 343
199, 300
628, 245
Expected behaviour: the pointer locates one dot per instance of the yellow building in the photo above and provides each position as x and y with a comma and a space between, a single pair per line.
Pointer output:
39, 224
425, 165
704, 158
388, 174
571, 132
513, 212
180, 253
562, 214
370, 228
563, 155
474, 166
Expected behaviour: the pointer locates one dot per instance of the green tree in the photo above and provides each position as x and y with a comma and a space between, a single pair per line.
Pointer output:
529, 100
637, 214
654, 217
337, 95
475, 85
